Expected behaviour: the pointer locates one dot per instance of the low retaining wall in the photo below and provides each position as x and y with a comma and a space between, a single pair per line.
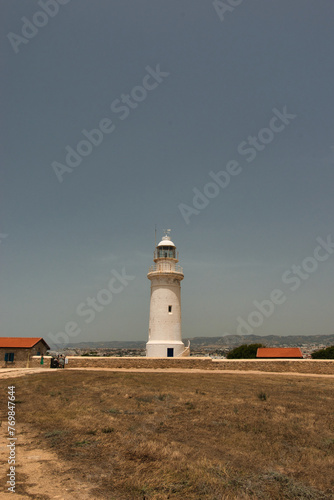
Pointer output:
316, 366
35, 362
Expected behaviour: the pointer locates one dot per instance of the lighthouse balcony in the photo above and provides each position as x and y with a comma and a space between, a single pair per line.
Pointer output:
165, 267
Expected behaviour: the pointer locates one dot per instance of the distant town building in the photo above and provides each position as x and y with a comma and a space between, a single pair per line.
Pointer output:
279, 352
164, 337
16, 351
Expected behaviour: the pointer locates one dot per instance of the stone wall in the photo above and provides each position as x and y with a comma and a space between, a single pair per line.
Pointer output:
35, 362
316, 366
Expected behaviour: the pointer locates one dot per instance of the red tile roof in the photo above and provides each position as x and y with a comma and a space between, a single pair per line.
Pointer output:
279, 352
23, 342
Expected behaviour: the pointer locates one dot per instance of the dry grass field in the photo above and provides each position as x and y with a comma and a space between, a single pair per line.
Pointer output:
188, 436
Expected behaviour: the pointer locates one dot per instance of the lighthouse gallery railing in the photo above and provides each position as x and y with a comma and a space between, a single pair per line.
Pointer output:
165, 267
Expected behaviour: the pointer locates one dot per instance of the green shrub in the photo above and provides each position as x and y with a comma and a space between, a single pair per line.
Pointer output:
245, 351
327, 353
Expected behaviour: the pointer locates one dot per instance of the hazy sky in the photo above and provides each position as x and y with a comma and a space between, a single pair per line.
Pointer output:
179, 89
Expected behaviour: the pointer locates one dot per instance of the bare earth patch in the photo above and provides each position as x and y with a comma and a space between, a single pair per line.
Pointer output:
41, 474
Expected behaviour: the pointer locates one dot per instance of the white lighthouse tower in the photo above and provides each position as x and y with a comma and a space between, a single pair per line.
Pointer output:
164, 334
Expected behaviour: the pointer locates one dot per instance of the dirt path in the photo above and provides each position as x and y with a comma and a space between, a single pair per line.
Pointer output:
198, 370
21, 372
40, 474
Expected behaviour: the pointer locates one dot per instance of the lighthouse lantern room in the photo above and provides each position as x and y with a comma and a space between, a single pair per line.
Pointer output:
164, 336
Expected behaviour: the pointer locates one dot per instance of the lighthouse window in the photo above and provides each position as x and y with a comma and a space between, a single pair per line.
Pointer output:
166, 252
169, 309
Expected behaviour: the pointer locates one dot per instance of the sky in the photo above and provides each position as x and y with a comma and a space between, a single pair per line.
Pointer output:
213, 119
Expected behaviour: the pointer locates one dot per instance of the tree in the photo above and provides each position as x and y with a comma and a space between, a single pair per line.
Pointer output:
327, 353
244, 351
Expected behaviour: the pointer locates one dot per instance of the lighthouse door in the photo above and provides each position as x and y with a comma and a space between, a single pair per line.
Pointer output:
170, 352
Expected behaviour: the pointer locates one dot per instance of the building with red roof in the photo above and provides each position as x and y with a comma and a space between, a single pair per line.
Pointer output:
16, 351
279, 352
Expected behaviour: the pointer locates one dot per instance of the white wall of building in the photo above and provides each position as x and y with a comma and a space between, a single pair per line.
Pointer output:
164, 324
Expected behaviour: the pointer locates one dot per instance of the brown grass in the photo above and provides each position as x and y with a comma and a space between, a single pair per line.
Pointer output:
189, 436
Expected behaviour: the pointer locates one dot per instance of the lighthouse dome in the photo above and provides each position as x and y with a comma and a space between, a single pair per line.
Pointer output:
166, 242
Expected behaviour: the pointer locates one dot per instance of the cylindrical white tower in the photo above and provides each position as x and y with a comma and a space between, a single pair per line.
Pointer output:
164, 334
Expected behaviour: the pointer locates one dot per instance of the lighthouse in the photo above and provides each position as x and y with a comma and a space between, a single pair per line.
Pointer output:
164, 334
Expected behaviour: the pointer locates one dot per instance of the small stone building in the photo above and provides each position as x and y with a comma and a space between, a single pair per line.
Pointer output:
15, 352
279, 352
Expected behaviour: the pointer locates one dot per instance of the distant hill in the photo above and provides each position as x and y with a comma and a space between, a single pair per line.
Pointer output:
270, 340
219, 342
113, 344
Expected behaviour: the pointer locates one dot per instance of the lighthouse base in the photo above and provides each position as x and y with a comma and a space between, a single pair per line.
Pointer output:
164, 349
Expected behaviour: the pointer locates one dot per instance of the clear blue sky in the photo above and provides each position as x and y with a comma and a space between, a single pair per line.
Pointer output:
221, 80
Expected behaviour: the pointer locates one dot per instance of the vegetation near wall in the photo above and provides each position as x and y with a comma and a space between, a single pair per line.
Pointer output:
327, 353
244, 351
